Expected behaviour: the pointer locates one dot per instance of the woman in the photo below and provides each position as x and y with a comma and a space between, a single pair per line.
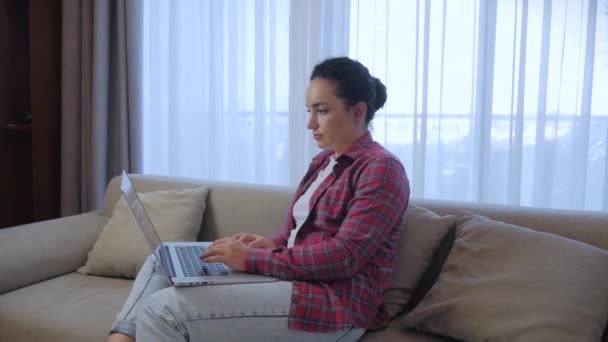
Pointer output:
334, 258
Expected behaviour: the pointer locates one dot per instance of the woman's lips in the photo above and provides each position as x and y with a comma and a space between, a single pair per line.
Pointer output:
316, 136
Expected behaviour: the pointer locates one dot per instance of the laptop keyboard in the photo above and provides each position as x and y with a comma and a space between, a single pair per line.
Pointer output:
193, 266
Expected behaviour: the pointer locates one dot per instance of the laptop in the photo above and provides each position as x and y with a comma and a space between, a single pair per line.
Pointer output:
180, 261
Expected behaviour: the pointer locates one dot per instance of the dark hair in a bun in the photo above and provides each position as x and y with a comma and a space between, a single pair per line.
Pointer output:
353, 83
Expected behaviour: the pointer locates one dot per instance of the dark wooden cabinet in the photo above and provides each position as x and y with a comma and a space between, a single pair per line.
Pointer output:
30, 110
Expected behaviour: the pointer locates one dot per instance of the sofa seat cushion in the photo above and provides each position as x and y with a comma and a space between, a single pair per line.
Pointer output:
72, 307
77, 307
397, 332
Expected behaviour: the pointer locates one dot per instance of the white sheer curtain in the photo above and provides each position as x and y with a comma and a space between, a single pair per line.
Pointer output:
224, 85
500, 101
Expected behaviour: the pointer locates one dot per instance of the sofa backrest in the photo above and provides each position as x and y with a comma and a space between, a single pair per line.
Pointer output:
231, 207
590, 227
235, 207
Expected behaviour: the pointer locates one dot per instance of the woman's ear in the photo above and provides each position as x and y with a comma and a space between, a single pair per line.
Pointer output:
360, 111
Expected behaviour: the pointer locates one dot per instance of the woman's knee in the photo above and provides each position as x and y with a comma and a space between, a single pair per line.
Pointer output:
151, 259
160, 306
159, 318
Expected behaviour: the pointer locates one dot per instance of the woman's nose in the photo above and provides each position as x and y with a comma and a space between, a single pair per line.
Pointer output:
312, 122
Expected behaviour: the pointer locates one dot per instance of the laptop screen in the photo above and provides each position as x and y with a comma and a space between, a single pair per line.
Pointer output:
140, 214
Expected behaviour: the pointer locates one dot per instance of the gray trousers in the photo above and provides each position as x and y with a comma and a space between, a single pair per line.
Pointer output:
157, 311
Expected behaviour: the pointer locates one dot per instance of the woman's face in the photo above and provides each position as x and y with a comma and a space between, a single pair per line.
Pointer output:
333, 125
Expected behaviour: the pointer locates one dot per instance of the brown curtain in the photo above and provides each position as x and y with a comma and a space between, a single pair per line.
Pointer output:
101, 98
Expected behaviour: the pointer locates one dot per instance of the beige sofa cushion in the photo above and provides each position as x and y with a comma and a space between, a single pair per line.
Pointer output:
509, 283
422, 232
69, 308
396, 332
121, 249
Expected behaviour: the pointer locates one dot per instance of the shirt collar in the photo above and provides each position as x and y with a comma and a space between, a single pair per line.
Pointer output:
357, 149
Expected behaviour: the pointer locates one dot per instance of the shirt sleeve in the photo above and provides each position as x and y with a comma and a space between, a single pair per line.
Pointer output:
280, 239
380, 199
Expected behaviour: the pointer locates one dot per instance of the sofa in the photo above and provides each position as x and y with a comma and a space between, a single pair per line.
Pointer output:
42, 298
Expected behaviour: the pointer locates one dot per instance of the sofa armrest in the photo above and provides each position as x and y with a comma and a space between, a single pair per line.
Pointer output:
35, 252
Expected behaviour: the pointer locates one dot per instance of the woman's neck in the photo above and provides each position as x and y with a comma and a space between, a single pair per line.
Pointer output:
341, 150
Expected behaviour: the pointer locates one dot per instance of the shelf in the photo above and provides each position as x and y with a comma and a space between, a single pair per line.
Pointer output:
30, 111
19, 127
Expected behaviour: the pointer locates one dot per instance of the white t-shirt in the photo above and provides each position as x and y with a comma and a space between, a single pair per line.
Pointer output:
301, 208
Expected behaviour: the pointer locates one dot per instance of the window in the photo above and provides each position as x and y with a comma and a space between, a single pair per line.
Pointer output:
496, 101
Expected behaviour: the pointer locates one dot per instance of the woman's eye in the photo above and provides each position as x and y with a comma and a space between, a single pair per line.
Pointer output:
322, 111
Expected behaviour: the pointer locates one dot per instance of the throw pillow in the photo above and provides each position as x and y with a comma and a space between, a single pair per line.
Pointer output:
422, 232
121, 249
510, 283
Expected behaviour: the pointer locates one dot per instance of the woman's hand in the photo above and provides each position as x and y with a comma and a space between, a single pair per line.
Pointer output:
229, 251
255, 241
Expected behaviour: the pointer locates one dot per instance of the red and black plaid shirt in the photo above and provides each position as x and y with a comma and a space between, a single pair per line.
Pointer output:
344, 254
